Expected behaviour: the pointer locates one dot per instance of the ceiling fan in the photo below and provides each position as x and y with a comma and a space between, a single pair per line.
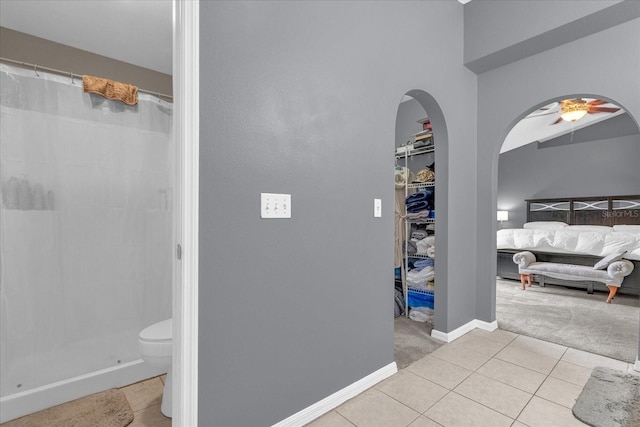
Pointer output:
575, 109
572, 110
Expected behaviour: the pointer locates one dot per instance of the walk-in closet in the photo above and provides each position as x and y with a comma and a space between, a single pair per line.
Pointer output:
414, 255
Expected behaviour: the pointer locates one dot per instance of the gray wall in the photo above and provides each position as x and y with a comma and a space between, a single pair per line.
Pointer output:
520, 87
302, 98
596, 168
27, 48
498, 32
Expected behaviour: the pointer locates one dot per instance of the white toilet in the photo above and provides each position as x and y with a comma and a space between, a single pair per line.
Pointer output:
156, 348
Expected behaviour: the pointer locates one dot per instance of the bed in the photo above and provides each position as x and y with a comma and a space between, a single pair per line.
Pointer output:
580, 230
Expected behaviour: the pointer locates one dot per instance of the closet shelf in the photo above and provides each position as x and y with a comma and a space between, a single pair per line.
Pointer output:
421, 256
421, 221
415, 152
421, 291
422, 184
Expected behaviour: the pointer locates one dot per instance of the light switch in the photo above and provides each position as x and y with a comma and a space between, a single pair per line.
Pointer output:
275, 205
377, 208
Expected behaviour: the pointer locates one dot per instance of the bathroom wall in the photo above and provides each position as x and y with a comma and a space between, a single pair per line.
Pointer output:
35, 50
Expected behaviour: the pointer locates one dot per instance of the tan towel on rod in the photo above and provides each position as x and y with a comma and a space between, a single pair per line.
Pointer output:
109, 89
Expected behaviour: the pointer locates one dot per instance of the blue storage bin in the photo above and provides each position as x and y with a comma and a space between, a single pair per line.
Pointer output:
419, 298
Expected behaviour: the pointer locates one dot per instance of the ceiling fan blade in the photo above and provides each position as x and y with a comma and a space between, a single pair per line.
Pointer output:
593, 110
544, 113
557, 121
597, 102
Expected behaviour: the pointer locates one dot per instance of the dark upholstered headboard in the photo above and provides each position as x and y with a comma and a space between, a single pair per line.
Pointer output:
607, 210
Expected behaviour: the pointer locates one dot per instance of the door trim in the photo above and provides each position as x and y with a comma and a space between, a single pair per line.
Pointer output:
185, 283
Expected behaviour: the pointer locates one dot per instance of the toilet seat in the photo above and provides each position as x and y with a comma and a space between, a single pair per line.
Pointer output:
156, 340
161, 331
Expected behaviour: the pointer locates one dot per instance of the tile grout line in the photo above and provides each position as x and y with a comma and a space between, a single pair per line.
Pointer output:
476, 372
545, 379
344, 418
467, 377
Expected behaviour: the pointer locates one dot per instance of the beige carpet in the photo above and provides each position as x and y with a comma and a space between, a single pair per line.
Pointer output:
571, 317
106, 409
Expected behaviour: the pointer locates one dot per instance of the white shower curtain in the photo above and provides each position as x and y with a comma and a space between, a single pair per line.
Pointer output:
85, 223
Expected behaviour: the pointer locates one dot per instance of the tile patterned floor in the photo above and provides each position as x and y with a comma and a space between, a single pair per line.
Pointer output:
145, 398
481, 379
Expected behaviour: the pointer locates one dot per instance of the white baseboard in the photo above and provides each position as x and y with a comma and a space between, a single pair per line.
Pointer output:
336, 399
29, 401
636, 367
457, 333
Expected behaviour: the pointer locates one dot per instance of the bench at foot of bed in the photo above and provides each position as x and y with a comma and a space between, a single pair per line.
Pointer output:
611, 275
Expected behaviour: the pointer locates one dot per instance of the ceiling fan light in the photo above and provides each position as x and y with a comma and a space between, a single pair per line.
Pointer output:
573, 110
572, 116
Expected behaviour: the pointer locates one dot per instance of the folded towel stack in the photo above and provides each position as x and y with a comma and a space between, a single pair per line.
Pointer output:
420, 201
419, 216
419, 234
422, 263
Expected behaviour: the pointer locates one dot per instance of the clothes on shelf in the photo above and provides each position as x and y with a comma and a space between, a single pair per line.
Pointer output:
420, 201
419, 216
415, 228
425, 246
419, 279
419, 234
423, 263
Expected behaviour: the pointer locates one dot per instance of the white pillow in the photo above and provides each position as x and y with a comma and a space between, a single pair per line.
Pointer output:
627, 228
600, 228
545, 225
604, 262
619, 242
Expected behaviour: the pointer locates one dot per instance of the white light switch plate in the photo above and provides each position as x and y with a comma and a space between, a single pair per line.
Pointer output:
377, 208
275, 205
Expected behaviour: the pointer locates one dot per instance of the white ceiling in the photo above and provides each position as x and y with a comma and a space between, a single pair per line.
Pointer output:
538, 126
139, 32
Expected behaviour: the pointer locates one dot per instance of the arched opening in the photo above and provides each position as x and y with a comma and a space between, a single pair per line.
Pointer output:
421, 163
562, 172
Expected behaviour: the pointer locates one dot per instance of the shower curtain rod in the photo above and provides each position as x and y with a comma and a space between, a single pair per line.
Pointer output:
72, 75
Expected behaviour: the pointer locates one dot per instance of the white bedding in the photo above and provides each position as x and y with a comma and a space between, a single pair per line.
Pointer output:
572, 240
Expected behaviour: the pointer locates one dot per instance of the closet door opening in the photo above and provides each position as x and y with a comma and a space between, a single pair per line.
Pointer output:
415, 233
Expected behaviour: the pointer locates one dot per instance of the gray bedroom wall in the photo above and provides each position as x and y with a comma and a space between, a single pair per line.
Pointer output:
595, 168
301, 98
499, 32
508, 93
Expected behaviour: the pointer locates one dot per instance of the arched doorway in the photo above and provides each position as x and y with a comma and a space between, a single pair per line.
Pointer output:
581, 162
417, 116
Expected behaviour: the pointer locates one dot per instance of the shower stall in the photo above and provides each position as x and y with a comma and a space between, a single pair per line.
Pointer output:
85, 237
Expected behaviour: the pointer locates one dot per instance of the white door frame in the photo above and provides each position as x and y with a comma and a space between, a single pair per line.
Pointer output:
185, 276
